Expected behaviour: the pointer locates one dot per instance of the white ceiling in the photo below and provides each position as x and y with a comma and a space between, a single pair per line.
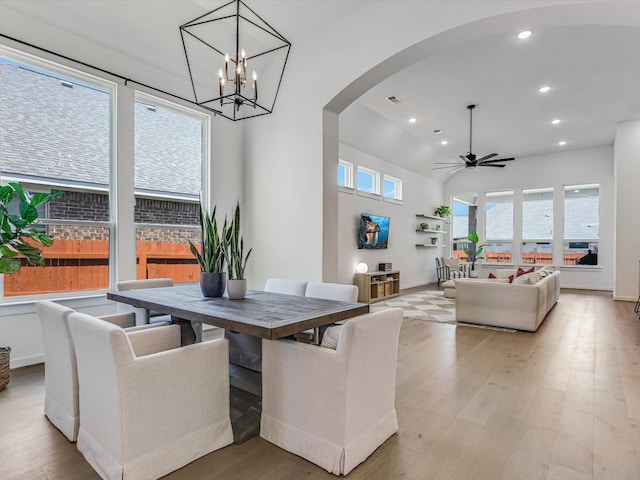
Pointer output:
594, 72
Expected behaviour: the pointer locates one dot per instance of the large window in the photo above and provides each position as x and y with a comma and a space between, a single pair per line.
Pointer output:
537, 226
168, 181
498, 227
581, 224
55, 133
465, 220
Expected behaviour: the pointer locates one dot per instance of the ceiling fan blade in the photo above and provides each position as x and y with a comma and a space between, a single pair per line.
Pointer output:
491, 165
487, 157
464, 158
450, 166
446, 163
499, 160
456, 170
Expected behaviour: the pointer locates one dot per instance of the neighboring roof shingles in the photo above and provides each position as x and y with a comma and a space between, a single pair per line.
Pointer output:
52, 131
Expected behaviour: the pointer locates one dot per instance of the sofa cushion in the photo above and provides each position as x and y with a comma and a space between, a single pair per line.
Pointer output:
522, 271
506, 272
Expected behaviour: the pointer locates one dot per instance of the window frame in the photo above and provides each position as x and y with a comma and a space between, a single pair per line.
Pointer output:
397, 190
588, 241
348, 174
80, 77
492, 241
375, 181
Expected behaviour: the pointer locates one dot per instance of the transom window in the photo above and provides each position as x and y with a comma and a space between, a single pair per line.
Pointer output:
368, 181
345, 174
392, 187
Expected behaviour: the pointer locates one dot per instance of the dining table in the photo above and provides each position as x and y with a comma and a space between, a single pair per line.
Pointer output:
260, 315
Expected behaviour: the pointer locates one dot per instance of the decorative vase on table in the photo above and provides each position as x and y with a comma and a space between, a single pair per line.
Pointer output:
236, 288
213, 284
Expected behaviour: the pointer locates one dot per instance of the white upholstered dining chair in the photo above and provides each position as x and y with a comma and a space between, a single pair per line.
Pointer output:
61, 374
340, 413
143, 315
147, 405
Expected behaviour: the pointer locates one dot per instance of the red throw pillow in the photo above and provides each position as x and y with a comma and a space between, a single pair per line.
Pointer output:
522, 272
491, 275
511, 278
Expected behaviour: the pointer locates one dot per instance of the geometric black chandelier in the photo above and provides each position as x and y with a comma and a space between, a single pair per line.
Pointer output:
229, 52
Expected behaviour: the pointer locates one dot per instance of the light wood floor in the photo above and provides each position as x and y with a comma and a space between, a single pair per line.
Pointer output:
559, 404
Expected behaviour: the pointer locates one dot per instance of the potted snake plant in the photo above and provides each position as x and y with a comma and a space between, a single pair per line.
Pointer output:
212, 256
236, 259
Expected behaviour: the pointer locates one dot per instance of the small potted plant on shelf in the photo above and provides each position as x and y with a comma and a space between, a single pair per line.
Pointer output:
424, 226
19, 237
212, 257
237, 261
442, 211
434, 240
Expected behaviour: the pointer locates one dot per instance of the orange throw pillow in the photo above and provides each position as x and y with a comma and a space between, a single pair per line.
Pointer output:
491, 275
511, 278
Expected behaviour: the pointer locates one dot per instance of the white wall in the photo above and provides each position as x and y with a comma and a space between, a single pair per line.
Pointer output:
627, 241
594, 165
421, 195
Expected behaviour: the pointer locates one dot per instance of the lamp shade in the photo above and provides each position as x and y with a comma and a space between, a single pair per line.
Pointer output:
362, 268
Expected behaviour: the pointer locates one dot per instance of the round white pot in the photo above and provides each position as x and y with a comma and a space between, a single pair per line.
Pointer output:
237, 289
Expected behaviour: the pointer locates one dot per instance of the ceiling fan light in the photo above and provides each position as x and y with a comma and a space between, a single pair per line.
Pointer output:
523, 35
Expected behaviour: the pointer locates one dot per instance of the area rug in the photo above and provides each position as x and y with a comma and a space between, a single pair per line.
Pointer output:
430, 306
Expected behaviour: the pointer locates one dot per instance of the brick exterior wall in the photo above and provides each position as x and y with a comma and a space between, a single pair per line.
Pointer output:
95, 206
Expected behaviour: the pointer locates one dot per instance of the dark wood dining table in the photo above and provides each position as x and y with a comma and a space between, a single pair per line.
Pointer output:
260, 314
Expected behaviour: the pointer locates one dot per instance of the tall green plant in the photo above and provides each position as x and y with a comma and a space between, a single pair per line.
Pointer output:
475, 252
235, 248
213, 255
15, 230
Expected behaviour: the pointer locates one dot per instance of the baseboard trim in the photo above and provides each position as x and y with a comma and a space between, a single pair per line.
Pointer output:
25, 361
620, 298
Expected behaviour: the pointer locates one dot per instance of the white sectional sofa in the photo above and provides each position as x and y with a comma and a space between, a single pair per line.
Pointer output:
521, 306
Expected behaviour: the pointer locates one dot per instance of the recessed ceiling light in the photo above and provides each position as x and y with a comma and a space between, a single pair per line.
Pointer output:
444, 142
523, 35
413, 120
562, 143
544, 89
555, 121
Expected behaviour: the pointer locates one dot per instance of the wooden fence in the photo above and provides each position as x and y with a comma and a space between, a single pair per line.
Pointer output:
76, 265
527, 258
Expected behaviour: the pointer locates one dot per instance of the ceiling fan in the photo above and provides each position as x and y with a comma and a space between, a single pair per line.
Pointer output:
470, 160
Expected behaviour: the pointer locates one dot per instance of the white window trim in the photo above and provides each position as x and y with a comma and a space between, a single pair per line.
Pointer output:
397, 190
348, 175
376, 181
